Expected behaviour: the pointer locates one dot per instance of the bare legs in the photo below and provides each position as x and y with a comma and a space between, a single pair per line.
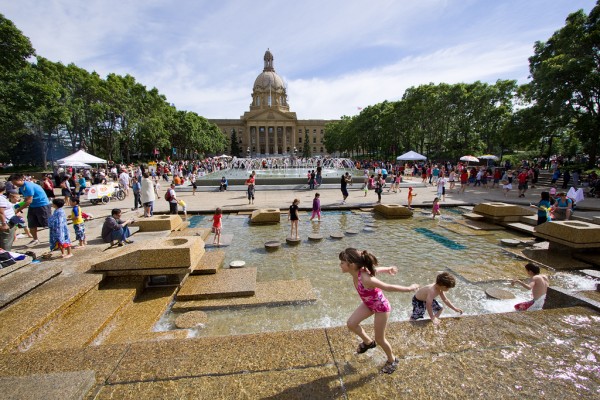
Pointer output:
381, 319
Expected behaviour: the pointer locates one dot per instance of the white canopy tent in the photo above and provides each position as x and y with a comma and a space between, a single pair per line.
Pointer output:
411, 156
82, 157
76, 164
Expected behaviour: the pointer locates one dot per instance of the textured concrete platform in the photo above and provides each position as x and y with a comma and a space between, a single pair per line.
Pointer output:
137, 320
322, 363
479, 225
571, 234
498, 212
23, 280
60, 385
521, 227
273, 293
225, 283
159, 223
393, 211
465, 230
209, 263
204, 233
175, 252
265, 216
549, 259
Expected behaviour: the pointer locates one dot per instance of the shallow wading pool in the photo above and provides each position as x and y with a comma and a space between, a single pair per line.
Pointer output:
420, 247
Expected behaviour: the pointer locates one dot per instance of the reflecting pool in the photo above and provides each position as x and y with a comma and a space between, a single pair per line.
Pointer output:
420, 247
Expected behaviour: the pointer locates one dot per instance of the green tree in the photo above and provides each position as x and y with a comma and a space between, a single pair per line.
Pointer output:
236, 151
565, 73
306, 148
14, 71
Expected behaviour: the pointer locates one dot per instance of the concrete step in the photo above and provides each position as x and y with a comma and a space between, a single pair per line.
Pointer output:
521, 227
225, 283
24, 280
137, 320
26, 315
210, 262
529, 219
473, 216
77, 326
272, 293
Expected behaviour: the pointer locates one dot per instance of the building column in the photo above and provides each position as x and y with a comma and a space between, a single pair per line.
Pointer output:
276, 147
284, 137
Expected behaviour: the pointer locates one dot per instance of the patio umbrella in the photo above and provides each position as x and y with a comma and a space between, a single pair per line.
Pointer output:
469, 159
223, 156
488, 157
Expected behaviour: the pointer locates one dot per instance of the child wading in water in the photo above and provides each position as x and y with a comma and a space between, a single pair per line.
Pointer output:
294, 218
361, 265
59, 232
410, 197
436, 207
538, 286
424, 299
78, 224
217, 225
316, 208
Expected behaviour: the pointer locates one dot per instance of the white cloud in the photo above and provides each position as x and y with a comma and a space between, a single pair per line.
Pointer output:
335, 55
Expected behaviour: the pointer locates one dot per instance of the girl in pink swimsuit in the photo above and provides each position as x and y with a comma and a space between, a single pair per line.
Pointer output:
361, 265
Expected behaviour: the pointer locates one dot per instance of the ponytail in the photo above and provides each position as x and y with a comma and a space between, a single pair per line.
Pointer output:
363, 259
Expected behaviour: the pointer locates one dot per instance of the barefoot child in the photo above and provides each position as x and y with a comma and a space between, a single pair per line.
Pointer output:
411, 194
217, 225
316, 208
538, 285
294, 218
436, 208
424, 299
59, 232
78, 222
361, 266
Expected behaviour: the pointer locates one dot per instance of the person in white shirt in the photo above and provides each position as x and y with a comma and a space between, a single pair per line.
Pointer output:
124, 181
7, 233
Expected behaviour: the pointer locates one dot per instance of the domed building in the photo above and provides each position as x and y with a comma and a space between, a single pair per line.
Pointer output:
269, 128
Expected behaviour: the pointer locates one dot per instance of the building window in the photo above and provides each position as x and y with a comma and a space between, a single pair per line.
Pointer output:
314, 140
314, 149
314, 131
299, 139
321, 149
321, 131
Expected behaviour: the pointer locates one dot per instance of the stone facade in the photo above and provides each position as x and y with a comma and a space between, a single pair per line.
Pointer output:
269, 128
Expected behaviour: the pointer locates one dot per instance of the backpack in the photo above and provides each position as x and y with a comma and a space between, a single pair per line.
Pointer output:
168, 196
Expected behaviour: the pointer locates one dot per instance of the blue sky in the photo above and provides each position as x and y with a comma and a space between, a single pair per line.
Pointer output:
334, 55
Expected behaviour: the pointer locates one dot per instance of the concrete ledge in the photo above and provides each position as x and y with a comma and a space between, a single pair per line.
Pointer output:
273, 293
265, 216
225, 283
159, 223
559, 298
202, 232
501, 210
209, 263
393, 211
58, 385
177, 252
577, 234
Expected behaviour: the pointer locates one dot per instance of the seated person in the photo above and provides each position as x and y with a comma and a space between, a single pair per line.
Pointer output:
563, 207
223, 184
115, 230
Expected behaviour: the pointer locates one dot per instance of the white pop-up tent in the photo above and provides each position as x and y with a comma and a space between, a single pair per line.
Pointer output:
82, 157
411, 156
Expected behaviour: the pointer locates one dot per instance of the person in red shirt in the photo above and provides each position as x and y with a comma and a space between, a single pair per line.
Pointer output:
522, 178
464, 180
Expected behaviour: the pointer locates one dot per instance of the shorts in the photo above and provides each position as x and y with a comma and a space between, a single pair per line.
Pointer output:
419, 308
16, 221
79, 231
523, 186
38, 217
344, 192
149, 204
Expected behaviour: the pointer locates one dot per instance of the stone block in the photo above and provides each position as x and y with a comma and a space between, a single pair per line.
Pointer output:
159, 223
573, 234
137, 320
265, 216
473, 216
167, 253
272, 293
204, 233
209, 263
393, 211
502, 210
24, 280
225, 283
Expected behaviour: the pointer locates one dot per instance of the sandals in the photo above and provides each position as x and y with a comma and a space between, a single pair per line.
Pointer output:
363, 347
390, 367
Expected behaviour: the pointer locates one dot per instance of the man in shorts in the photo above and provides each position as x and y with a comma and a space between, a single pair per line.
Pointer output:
36, 200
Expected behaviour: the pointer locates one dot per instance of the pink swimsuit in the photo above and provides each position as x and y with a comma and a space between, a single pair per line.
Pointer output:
373, 298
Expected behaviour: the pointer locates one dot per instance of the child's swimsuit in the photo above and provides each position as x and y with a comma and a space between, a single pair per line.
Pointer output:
532, 305
419, 308
373, 298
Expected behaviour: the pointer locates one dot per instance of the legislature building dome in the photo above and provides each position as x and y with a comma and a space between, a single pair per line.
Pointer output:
269, 89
